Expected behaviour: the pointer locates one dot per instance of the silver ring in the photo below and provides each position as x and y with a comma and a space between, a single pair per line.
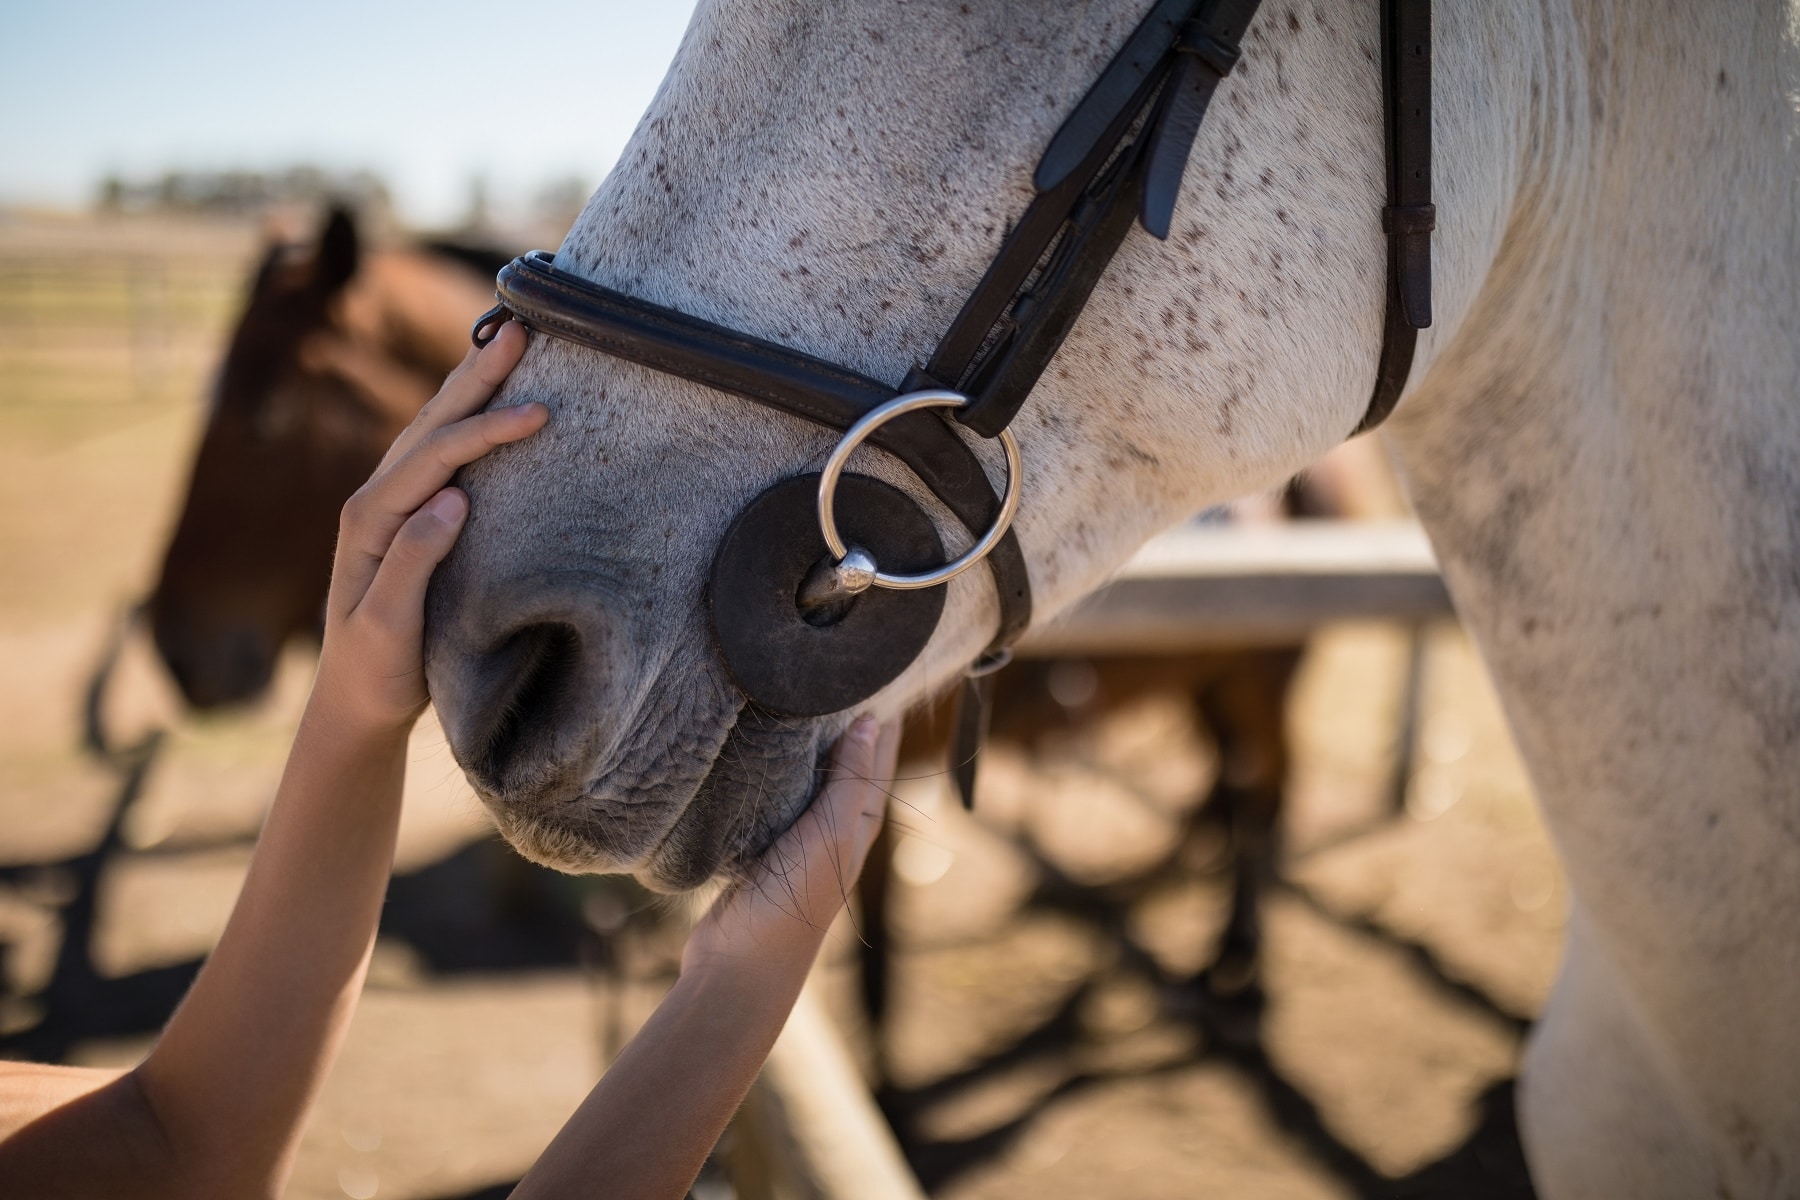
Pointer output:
878, 416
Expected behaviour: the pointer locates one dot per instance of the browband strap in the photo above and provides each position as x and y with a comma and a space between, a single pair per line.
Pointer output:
567, 306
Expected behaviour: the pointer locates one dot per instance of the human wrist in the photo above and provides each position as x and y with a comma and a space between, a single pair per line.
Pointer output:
336, 703
746, 986
351, 768
767, 960
338, 721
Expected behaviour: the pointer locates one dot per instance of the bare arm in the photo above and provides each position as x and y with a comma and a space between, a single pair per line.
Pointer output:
216, 1108
646, 1128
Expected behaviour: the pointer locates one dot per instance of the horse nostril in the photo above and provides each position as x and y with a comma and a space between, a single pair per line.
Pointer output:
531, 679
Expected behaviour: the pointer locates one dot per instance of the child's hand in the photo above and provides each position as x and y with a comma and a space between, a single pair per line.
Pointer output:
393, 533
777, 917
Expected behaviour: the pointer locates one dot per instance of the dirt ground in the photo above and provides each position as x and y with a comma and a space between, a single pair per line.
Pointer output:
1042, 1044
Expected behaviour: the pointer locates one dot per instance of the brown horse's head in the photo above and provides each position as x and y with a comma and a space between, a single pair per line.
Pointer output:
335, 351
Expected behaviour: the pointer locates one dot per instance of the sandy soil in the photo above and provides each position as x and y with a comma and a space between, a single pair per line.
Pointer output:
1042, 1043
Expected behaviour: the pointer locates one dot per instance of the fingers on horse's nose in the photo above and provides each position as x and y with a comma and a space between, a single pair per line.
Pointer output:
526, 707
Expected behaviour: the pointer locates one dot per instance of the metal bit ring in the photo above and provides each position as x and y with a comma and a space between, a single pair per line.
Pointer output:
876, 417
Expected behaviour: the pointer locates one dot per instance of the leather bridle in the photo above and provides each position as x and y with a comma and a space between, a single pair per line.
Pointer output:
806, 629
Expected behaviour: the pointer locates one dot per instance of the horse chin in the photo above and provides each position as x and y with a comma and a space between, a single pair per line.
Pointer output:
762, 779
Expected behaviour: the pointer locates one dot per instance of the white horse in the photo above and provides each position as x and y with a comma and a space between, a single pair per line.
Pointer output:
1602, 434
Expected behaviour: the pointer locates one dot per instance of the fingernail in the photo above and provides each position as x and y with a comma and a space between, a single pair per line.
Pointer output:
863, 728
447, 506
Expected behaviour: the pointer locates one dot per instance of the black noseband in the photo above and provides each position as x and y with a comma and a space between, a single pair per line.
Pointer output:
532, 290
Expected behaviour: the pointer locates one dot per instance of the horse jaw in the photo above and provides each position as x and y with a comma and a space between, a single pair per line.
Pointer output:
836, 179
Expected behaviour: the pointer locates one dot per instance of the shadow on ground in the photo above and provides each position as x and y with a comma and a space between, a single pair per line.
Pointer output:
482, 909
1229, 1030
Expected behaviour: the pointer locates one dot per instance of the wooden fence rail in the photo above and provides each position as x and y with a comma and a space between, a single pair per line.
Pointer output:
1204, 586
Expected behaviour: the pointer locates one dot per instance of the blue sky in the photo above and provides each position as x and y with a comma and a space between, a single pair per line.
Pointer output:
428, 95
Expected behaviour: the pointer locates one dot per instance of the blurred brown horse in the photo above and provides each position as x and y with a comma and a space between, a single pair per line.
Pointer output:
338, 346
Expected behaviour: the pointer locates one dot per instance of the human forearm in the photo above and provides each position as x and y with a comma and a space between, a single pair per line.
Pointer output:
646, 1128
74, 1133
242, 1058
216, 1109
246, 1052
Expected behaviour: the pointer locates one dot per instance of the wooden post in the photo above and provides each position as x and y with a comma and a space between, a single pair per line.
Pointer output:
809, 1129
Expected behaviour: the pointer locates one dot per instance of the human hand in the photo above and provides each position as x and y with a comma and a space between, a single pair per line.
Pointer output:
396, 529
777, 916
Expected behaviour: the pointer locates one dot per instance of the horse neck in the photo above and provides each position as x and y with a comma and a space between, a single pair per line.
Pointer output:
1605, 442
1606, 450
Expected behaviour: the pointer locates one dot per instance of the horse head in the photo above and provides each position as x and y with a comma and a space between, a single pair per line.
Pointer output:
836, 178
337, 347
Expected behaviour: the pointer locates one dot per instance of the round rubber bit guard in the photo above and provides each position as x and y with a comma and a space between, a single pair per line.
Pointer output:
781, 661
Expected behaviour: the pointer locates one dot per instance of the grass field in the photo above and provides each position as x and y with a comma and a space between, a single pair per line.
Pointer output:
1405, 953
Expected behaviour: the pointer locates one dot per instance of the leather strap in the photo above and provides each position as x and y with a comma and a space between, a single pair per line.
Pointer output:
1123, 86
1409, 216
1028, 337
1207, 48
565, 305
969, 726
1122, 150
557, 302
1120, 153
